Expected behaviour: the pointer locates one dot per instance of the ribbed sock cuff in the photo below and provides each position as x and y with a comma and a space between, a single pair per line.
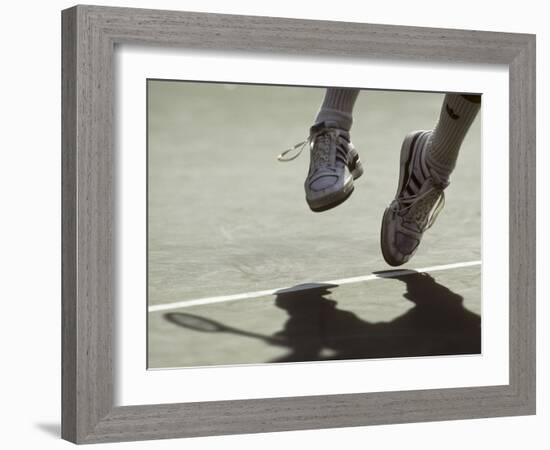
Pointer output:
338, 106
341, 99
456, 117
344, 120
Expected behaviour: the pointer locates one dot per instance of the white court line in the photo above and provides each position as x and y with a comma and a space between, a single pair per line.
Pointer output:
267, 292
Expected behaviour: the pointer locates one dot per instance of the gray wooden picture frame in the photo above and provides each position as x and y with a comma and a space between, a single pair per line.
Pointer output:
89, 37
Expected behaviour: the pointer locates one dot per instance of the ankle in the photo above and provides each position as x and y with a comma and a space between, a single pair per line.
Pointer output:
440, 172
341, 119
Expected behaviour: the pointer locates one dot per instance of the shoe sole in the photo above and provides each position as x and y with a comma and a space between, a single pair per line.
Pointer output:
387, 256
404, 160
339, 197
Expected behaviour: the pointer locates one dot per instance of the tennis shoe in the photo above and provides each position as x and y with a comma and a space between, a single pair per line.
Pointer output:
334, 165
419, 200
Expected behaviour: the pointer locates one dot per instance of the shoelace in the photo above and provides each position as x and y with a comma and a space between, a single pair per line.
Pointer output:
298, 148
424, 212
320, 158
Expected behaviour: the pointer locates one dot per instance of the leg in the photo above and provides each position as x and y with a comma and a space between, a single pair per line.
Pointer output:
457, 114
338, 106
427, 160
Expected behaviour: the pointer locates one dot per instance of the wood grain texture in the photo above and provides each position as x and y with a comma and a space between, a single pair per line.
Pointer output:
523, 224
89, 36
68, 226
88, 208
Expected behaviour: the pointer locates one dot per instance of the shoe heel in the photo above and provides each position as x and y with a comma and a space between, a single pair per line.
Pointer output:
406, 150
356, 167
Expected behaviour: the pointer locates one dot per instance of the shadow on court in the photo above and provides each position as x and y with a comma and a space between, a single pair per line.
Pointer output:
436, 324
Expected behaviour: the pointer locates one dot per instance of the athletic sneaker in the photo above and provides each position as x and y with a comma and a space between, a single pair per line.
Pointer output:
416, 205
334, 164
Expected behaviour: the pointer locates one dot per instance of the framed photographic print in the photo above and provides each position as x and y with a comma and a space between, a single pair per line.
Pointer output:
265, 229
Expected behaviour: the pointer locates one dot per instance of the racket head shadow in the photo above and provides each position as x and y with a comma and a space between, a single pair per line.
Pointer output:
194, 322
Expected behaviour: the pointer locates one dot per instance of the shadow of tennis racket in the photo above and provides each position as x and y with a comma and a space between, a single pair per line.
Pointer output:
198, 323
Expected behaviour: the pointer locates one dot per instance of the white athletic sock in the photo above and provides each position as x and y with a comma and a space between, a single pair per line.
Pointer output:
457, 114
338, 107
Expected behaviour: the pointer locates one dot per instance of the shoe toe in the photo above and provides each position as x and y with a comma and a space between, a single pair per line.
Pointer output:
405, 244
324, 182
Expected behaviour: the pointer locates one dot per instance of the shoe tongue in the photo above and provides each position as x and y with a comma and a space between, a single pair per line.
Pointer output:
326, 124
331, 124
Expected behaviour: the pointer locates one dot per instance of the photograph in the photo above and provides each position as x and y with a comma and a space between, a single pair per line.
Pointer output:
292, 224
